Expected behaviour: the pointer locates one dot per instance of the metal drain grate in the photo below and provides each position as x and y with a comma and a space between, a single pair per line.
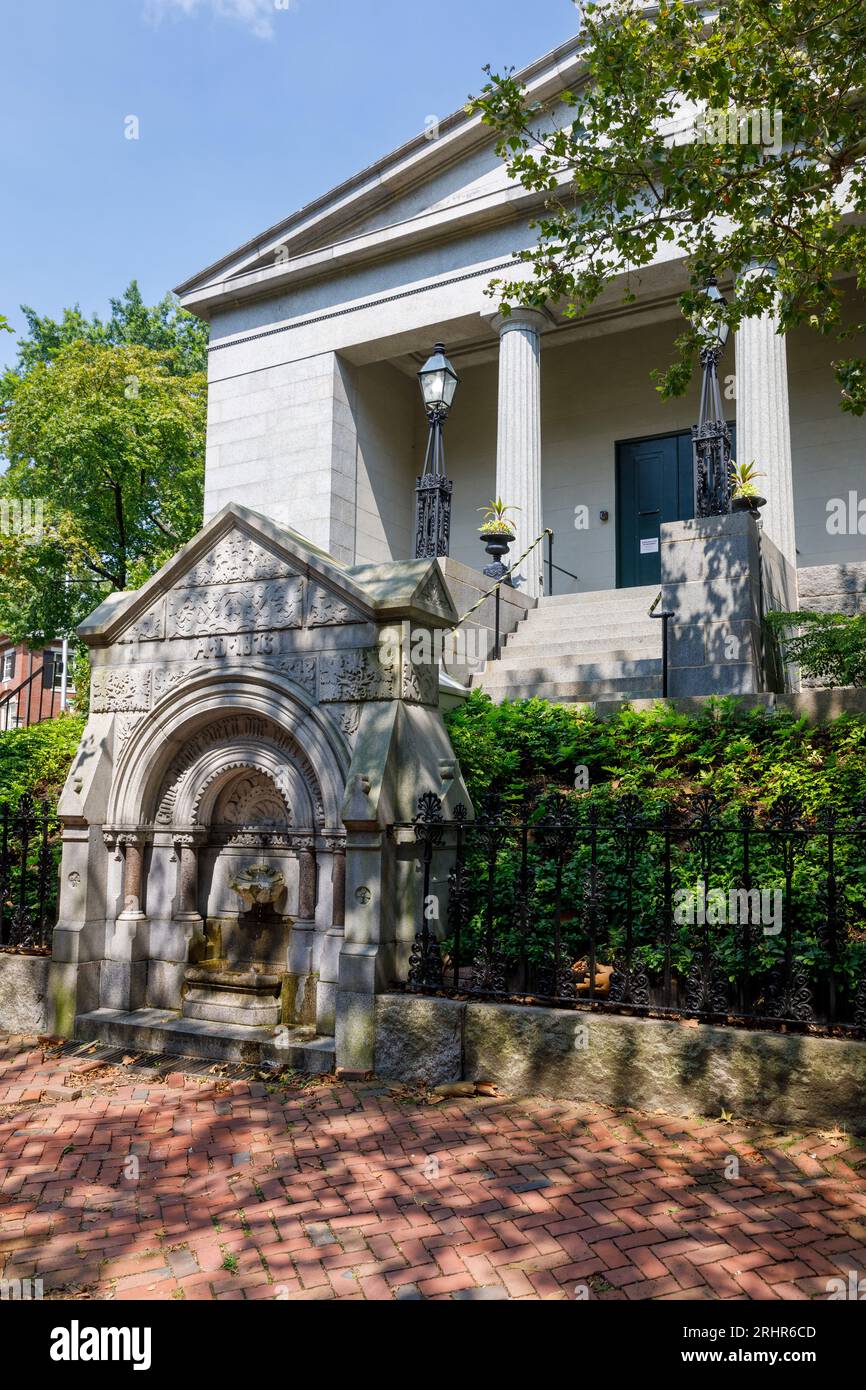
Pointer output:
164, 1061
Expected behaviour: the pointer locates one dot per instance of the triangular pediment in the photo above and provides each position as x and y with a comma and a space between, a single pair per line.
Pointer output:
450, 168
242, 572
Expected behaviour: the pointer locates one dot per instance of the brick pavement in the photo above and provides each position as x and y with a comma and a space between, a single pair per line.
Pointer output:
202, 1187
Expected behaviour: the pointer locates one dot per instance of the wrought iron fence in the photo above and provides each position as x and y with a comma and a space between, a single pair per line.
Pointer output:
613, 903
29, 862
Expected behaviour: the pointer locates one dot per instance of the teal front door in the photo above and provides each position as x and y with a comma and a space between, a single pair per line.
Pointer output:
654, 483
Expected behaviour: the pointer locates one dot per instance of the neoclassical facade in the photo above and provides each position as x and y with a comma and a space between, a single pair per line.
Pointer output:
320, 324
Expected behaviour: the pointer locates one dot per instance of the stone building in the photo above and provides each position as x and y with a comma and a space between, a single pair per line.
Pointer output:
320, 323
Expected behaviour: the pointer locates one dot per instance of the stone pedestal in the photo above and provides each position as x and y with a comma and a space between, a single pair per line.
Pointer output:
720, 575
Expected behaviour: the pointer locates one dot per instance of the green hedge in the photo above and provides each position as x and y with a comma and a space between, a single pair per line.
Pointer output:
37, 759
530, 749
525, 747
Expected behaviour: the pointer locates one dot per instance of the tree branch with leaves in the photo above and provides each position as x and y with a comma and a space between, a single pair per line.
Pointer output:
625, 172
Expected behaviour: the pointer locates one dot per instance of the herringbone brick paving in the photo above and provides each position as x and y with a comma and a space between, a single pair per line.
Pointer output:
201, 1187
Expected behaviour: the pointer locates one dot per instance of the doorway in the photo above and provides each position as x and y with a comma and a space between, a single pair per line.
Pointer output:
654, 483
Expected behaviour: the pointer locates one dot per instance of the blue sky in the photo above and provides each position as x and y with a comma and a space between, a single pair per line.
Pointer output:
247, 109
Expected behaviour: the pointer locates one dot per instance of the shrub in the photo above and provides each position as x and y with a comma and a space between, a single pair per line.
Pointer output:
826, 646
36, 760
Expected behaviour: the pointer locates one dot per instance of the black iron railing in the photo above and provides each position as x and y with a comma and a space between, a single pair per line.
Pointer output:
551, 566
30, 702
612, 903
29, 861
665, 619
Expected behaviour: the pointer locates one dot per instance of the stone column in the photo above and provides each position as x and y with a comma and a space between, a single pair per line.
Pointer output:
307, 883
123, 973
764, 426
301, 954
329, 959
188, 846
133, 875
518, 445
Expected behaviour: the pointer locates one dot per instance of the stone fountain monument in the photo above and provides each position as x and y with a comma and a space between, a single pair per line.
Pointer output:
259, 716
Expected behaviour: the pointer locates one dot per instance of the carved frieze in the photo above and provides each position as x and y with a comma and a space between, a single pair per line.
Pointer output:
364, 673
420, 682
117, 689
201, 612
235, 559
148, 627
165, 678
325, 609
302, 670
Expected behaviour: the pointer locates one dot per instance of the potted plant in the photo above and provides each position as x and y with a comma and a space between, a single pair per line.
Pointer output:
744, 494
497, 532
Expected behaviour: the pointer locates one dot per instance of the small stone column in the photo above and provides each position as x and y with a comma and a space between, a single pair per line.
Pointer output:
307, 882
338, 882
123, 973
187, 846
518, 445
133, 845
301, 957
329, 959
764, 425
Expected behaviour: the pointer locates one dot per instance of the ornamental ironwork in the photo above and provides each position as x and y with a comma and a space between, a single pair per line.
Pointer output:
613, 902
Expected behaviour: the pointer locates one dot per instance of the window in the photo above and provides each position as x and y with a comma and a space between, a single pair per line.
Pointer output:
7, 670
57, 661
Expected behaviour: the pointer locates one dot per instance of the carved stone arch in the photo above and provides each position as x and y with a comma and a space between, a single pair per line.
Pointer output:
190, 788
242, 715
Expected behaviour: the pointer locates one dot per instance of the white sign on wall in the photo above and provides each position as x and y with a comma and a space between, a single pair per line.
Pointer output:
649, 546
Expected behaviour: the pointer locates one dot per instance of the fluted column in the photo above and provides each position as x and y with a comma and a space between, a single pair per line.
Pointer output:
518, 445
764, 426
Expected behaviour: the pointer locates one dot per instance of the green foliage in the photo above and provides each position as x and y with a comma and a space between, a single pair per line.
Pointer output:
103, 421
112, 442
830, 647
619, 190
745, 756
527, 752
36, 760
164, 327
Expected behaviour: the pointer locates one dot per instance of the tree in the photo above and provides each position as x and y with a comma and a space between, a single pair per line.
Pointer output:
768, 98
103, 422
165, 327
106, 444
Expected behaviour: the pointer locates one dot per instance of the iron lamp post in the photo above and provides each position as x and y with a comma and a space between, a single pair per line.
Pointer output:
439, 383
711, 439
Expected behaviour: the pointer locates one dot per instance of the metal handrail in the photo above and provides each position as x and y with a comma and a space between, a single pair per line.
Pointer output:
665, 619
497, 644
6, 701
551, 566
